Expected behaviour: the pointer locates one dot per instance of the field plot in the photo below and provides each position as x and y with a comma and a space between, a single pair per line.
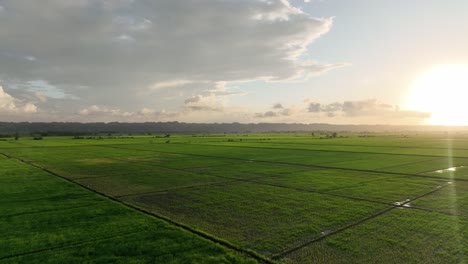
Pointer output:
400, 236
451, 200
286, 198
45, 219
259, 217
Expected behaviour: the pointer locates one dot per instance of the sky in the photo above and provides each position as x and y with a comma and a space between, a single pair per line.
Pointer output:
249, 61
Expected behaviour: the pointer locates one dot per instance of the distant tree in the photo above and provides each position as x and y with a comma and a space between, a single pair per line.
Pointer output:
334, 135
16, 136
37, 137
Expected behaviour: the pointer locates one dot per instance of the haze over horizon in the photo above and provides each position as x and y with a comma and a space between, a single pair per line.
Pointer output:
323, 61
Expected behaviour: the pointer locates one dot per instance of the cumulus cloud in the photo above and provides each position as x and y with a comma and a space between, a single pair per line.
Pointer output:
9, 104
111, 52
98, 110
210, 108
29, 108
204, 104
211, 99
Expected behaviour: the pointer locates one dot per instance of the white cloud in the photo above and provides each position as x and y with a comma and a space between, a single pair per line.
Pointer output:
103, 110
211, 108
169, 84
29, 108
170, 48
209, 102
147, 111
9, 104
213, 99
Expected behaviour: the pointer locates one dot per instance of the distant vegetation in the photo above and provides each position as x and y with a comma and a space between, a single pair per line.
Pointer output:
78, 129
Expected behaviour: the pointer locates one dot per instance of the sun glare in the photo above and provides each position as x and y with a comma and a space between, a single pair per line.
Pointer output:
442, 91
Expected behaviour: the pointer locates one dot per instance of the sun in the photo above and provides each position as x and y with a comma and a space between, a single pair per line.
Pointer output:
442, 91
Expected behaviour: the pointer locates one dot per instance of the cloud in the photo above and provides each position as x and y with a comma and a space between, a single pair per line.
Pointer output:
9, 104
30, 58
210, 108
133, 23
207, 101
278, 110
41, 97
267, 114
169, 84
370, 111
136, 53
147, 111
101, 113
367, 107
193, 99
211, 99
103, 110
44, 88
277, 106
314, 107
29, 108
364, 108
124, 38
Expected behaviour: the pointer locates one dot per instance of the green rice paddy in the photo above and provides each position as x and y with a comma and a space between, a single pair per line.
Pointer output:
240, 198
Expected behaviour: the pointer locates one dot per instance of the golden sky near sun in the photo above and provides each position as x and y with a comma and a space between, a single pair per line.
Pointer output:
443, 91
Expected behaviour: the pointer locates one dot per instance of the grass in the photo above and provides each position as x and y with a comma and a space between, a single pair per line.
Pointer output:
400, 236
452, 200
46, 219
372, 186
295, 197
260, 217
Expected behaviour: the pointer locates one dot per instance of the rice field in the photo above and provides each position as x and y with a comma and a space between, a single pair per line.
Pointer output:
235, 198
